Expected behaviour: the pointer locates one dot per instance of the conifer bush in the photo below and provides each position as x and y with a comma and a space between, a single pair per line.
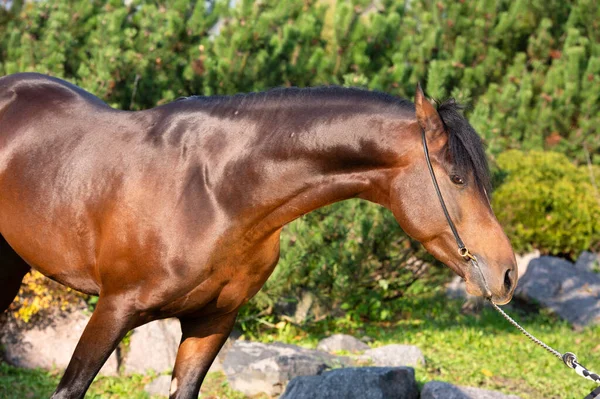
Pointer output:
547, 202
529, 72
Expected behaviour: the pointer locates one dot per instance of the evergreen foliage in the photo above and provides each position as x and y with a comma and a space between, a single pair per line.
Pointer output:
528, 69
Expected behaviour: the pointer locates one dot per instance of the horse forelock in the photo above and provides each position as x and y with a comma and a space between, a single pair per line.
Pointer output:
465, 145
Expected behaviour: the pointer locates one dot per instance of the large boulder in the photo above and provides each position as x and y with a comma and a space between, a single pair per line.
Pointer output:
253, 367
394, 356
587, 261
51, 345
556, 284
524, 260
356, 383
160, 386
153, 348
443, 390
342, 342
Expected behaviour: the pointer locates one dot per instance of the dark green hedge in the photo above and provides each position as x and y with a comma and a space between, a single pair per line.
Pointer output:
529, 69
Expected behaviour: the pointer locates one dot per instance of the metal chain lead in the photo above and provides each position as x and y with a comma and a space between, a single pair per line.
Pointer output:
569, 358
527, 334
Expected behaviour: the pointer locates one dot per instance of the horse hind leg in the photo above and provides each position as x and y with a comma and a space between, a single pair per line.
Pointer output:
12, 271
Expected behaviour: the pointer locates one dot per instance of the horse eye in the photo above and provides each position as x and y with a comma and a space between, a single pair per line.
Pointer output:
456, 179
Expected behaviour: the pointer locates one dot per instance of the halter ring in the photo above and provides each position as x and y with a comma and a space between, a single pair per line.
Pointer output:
465, 253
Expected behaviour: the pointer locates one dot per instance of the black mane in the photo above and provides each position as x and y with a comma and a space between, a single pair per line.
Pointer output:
465, 146
295, 95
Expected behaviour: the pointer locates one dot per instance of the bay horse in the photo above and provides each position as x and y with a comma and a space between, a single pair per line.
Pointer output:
176, 211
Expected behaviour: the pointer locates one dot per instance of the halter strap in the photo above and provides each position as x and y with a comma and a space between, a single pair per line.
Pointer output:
462, 249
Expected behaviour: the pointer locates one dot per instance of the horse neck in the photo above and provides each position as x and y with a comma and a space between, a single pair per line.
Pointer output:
302, 170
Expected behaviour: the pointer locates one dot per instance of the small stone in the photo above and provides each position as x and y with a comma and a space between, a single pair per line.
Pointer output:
394, 356
356, 383
342, 342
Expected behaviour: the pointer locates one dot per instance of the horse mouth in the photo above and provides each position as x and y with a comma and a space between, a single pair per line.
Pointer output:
477, 286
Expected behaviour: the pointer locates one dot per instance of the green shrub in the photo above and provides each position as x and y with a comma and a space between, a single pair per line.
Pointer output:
548, 203
530, 69
353, 258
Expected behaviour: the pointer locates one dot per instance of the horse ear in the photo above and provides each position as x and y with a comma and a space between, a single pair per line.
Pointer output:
427, 115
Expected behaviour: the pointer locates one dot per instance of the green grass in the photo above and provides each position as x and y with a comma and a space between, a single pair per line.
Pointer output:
481, 351
18, 383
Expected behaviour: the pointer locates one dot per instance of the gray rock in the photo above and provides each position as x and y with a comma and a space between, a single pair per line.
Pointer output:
456, 288
524, 260
587, 262
557, 285
217, 365
49, 346
254, 368
443, 390
356, 383
394, 356
342, 342
153, 347
159, 386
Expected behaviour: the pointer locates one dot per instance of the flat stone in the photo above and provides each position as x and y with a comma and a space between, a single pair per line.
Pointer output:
444, 390
356, 383
394, 356
342, 342
556, 284
159, 386
253, 367
49, 346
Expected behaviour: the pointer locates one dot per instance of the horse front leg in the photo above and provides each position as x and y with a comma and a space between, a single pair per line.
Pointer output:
201, 341
111, 320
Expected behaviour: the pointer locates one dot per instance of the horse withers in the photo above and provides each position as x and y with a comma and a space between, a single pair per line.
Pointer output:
176, 211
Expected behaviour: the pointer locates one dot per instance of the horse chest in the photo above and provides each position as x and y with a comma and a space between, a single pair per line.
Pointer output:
228, 282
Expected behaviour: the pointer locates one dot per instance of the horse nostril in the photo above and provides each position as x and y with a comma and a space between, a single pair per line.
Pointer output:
507, 280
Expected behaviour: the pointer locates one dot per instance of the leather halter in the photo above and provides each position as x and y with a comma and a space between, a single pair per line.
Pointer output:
462, 248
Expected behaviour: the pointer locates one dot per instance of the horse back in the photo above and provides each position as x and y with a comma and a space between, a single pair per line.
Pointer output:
82, 183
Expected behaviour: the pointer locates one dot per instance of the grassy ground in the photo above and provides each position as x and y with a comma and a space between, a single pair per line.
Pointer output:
482, 351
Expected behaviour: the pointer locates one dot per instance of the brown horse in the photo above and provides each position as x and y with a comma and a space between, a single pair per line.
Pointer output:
176, 211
